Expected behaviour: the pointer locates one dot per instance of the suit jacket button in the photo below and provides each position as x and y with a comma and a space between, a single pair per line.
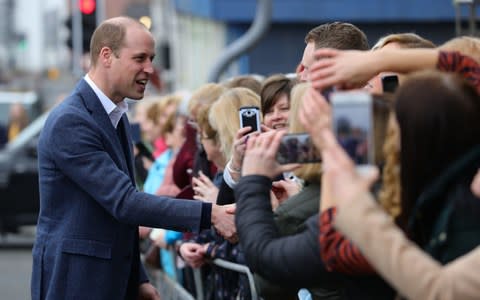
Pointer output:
442, 237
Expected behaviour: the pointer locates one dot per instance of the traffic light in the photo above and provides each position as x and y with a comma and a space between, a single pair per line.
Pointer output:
88, 10
87, 7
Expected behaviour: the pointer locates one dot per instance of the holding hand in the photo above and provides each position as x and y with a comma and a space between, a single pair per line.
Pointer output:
284, 189
260, 156
223, 219
239, 146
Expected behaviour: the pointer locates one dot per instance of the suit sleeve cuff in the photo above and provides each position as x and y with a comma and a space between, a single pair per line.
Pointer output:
206, 218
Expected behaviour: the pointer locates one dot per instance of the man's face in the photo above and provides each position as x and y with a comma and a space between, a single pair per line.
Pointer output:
307, 61
131, 70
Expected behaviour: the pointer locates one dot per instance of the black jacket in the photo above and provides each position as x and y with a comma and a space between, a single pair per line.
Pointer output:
292, 260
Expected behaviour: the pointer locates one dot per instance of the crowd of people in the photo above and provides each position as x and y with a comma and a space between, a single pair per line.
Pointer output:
200, 185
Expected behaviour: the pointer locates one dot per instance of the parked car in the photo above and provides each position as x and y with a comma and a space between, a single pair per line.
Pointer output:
19, 196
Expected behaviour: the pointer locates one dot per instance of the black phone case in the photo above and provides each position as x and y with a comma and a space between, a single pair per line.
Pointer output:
250, 116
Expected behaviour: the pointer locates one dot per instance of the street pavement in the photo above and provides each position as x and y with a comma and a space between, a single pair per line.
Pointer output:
16, 265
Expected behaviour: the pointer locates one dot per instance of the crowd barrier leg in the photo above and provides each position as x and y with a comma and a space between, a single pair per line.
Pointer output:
240, 269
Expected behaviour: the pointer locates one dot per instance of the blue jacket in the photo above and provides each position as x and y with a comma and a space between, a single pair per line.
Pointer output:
87, 237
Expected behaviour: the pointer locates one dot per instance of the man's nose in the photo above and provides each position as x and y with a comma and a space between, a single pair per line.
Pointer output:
148, 68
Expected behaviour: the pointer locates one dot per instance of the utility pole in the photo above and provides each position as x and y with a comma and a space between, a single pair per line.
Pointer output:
77, 39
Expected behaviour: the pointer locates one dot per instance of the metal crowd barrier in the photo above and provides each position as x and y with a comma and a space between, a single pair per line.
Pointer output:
240, 269
172, 289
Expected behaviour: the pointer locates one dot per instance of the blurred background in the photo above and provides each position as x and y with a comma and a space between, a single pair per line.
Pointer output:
44, 51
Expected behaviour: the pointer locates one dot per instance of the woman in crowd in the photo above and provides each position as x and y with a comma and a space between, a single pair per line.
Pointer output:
159, 115
337, 252
384, 244
191, 157
275, 107
224, 121
439, 211
299, 203
389, 196
275, 98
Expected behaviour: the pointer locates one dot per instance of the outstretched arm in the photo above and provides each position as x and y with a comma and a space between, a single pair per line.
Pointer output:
347, 69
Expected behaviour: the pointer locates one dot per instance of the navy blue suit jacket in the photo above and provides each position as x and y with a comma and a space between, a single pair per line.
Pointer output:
87, 236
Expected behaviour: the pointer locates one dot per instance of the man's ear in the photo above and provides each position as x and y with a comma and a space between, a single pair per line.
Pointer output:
105, 56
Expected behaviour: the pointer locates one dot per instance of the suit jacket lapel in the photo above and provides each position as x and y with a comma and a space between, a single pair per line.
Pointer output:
94, 106
127, 147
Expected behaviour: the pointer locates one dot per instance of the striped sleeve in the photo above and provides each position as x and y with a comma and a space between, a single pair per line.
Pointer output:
337, 252
466, 66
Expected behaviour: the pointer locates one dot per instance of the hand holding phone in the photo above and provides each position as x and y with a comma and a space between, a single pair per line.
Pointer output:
297, 148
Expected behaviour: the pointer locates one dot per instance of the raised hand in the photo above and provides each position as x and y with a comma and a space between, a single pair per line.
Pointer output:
260, 155
204, 189
315, 115
239, 145
340, 180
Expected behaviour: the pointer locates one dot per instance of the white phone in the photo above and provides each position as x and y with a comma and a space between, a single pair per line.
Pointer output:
353, 124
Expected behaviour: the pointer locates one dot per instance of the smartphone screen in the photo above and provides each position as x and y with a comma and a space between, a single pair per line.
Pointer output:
297, 148
353, 124
250, 116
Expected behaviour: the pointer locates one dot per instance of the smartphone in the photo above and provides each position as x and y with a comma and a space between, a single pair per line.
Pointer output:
297, 148
353, 124
389, 83
250, 116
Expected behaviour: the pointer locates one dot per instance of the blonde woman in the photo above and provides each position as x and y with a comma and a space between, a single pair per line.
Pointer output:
300, 191
224, 116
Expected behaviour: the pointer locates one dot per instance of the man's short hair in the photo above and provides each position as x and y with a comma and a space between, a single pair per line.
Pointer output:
111, 33
338, 35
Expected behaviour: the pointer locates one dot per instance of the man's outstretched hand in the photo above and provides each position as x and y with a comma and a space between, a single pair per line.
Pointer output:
223, 219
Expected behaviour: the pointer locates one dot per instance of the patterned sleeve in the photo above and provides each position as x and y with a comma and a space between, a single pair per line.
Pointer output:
337, 252
466, 66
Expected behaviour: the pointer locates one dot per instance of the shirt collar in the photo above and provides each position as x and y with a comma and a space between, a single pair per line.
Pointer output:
114, 111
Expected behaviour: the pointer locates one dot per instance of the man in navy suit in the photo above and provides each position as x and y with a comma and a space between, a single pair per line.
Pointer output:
87, 235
